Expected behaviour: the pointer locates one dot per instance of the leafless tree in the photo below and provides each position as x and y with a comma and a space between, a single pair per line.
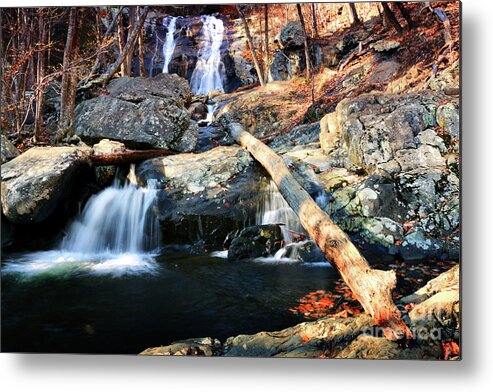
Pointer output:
252, 47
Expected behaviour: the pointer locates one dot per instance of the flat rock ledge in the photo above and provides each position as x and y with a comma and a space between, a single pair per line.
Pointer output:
432, 313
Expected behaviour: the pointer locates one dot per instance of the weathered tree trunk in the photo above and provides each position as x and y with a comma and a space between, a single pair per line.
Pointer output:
142, 69
405, 14
64, 120
121, 43
129, 156
372, 288
389, 15
40, 74
113, 68
353, 15
314, 17
305, 39
129, 57
266, 38
252, 48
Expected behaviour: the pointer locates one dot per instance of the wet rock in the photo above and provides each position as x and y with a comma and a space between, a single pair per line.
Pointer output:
37, 182
141, 113
8, 150
305, 251
207, 169
416, 246
256, 241
207, 347
203, 197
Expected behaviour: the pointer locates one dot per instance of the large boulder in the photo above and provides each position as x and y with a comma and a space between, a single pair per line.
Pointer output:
36, 183
256, 241
379, 130
204, 197
397, 191
141, 113
291, 36
8, 150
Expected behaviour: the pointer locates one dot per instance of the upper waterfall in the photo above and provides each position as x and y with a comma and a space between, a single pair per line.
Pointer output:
209, 71
169, 43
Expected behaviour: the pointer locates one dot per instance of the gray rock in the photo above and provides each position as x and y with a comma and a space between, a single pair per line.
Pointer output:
291, 35
7, 151
140, 114
256, 241
305, 251
385, 45
375, 126
416, 246
448, 118
203, 197
423, 157
298, 137
36, 183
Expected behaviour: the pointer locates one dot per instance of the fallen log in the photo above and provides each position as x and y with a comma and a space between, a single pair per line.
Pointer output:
128, 156
372, 288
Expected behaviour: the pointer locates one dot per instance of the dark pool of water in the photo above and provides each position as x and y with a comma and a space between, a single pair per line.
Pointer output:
188, 296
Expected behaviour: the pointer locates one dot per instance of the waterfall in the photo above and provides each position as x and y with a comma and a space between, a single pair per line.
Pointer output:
116, 220
208, 73
169, 43
275, 210
115, 234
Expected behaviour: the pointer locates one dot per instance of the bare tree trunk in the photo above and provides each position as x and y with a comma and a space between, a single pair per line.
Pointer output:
252, 48
74, 73
372, 288
107, 34
113, 68
121, 43
64, 120
305, 38
391, 18
40, 74
142, 69
266, 37
405, 14
314, 17
130, 53
353, 14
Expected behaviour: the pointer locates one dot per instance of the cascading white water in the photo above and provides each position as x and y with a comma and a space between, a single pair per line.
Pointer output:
208, 73
275, 209
116, 233
117, 220
169, 42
